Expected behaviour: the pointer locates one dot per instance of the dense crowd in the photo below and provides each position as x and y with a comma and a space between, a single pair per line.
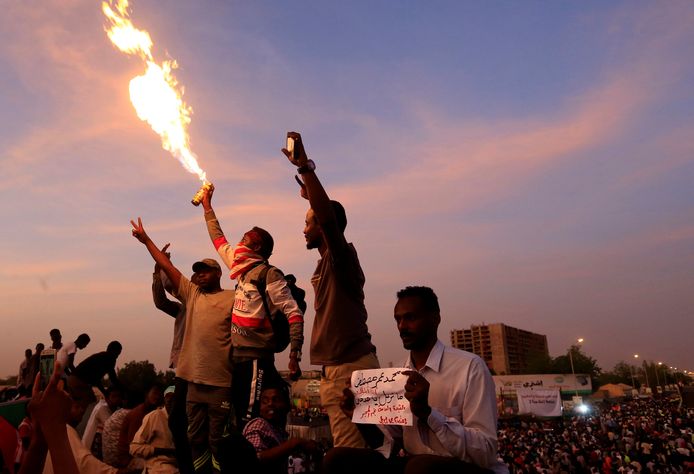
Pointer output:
228, 406
632, 436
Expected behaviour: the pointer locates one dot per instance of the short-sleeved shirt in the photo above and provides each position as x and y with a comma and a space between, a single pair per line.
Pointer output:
204, 356
339, 334
93, 368
65, 352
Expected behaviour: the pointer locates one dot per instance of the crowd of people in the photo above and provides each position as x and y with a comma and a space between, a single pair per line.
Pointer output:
652, 435
227, 408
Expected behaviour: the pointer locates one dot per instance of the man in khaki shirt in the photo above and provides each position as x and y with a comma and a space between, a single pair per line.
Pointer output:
204, 358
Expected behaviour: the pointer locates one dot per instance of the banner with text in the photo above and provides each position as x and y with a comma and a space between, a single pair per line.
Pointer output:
539, 402
566, 383
379, 397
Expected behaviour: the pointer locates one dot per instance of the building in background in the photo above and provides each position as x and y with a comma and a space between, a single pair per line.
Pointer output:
505, 349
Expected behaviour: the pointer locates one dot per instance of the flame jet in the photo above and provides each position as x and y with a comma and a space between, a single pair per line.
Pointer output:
156, 94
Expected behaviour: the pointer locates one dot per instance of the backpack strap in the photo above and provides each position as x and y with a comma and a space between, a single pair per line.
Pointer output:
260, 282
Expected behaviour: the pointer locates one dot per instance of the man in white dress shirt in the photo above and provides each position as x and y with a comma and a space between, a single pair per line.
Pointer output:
452, 398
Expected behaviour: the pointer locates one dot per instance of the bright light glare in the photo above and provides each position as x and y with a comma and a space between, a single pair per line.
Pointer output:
582, 408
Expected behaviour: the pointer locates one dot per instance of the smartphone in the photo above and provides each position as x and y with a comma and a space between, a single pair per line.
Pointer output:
290, 146
46, 366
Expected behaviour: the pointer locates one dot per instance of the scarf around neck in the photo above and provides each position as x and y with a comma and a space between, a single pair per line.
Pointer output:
244, 260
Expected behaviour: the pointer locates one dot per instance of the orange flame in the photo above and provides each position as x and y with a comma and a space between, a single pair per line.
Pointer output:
155, 94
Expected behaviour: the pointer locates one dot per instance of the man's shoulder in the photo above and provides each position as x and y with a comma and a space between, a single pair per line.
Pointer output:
159, 412
459, 356
94, 358
274, 274
343, 256
271, 273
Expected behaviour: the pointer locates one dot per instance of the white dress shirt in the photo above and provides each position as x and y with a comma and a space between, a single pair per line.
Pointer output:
463, 418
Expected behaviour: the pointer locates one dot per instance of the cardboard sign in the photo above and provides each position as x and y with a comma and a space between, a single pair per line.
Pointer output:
379, 397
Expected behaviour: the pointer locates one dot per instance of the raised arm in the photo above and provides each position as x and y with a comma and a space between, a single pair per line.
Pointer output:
161, 302
214, 229
50, 411
312, 189
158, 256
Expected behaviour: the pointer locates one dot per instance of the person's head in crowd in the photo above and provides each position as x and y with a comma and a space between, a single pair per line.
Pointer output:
208, 274
131, 398
114, 398
28, 354
77, 410
114, 348
417, 316
194, 279
56, 337
313, 231
39, 348
154, 396
82, 341
260, 241
275, 403
169, 398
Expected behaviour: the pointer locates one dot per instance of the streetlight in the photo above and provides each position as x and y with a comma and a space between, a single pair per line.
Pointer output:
571, 360
657, 379
631, 369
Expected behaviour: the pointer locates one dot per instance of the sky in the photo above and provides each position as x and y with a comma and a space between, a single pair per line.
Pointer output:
531, 161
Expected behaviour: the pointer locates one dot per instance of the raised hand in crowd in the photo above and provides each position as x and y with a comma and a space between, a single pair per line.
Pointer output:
50, 411
164, 250
207, 198
159, 257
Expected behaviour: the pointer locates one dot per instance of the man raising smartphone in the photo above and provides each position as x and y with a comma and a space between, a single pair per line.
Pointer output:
340, 339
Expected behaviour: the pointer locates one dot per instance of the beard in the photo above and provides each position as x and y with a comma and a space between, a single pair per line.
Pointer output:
313, 243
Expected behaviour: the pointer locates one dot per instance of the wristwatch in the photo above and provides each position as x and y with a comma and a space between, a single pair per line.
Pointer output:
309, 166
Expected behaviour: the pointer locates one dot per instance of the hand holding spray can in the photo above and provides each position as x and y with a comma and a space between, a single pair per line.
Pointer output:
197, 199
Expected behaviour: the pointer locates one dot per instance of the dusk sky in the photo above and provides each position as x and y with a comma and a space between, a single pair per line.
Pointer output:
533, 162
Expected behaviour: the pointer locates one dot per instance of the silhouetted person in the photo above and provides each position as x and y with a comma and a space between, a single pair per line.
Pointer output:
56, 339
66, 355
91, 371
24, 376
35, 364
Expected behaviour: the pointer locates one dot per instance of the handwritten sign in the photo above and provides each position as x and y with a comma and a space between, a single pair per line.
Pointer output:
379, 397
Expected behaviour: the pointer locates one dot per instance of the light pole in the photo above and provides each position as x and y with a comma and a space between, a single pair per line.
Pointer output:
657, 379
631, 369
579, 341
645, 372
